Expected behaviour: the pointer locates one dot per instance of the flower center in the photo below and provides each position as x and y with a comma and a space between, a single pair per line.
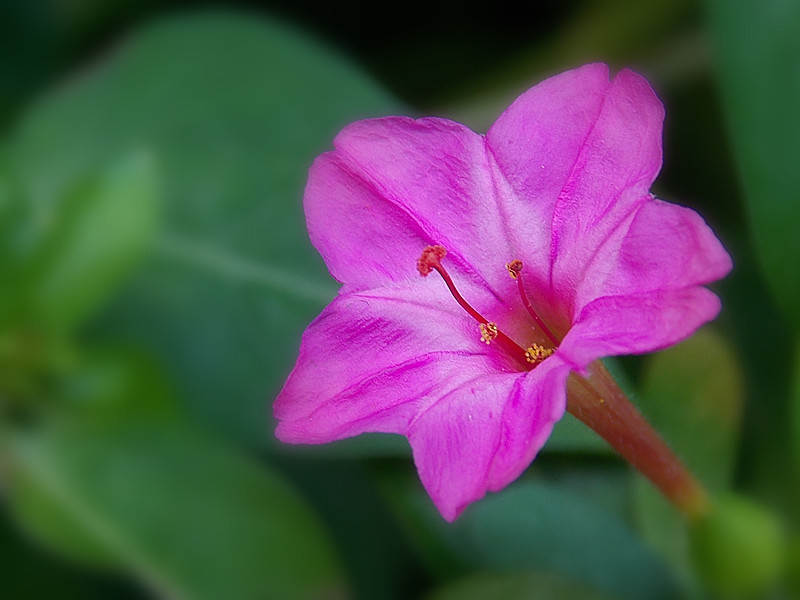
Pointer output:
431, 260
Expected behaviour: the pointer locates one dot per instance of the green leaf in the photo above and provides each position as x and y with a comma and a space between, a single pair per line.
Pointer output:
534, 525
738, 547
25, 566
693, 395
193, 518
102, 231
570, 435
758, 51
793, 567
517, 586
111, 384
367, 445
795, 412
235, 108
620, 32
103, 388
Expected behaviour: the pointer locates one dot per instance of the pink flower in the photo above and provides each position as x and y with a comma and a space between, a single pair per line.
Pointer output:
556, 194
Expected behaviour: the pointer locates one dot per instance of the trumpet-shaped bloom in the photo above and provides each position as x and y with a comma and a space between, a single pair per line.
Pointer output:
549, 252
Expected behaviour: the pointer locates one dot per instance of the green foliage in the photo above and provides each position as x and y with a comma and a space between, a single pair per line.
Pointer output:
102, 392
738, 548
169, 503
95, 238
30, 571
524, 586
106, 467
570, 435
795, 408
234, 110
536, 525
793, 567
759, 52
116, 478
693, 395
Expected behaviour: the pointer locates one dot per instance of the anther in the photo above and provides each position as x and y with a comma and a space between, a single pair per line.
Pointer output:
514, 268
489, 332
536, 354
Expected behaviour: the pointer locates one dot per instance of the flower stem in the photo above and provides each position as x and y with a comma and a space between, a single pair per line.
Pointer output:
598, 401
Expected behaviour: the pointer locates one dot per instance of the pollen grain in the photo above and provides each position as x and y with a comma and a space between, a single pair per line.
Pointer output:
536, 353
489, 332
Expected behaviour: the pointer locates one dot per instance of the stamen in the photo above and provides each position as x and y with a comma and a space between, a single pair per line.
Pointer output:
431, 260
515, 270
489, 332
536, 354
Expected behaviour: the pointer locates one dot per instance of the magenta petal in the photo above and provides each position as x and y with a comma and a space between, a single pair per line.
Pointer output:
365, 240
580, 153
663, 246
371, 361
612, 174
638, 323
430, 178
536, 143
484, 434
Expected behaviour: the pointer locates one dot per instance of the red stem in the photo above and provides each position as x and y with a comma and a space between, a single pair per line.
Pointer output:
537, 319
598, 401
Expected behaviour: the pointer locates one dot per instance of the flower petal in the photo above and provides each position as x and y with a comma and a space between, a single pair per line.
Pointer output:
365, 240
371, 361
580, 152
612, 176
395, 185
536, 143
663, 246
636, 323
484, 434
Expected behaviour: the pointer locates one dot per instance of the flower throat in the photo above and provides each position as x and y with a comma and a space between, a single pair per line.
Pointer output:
431, 258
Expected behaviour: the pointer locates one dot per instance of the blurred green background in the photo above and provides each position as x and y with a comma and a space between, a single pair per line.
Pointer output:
156, 275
